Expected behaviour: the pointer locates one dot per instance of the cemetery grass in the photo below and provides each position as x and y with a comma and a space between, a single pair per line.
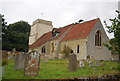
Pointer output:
58, 68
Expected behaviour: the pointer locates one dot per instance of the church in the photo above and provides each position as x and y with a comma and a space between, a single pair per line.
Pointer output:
85, 39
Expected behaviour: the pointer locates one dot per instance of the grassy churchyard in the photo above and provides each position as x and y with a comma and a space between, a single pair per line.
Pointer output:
58, 68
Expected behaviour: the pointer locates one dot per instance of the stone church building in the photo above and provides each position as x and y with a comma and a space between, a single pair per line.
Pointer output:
84, 39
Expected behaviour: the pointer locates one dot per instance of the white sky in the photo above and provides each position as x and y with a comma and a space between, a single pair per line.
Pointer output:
60, 12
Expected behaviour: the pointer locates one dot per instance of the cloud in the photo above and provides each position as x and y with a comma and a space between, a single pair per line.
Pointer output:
60, 12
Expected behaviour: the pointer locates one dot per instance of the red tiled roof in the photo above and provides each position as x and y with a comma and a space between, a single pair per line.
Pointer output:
62, 30
43, 39
80, 30
48, 36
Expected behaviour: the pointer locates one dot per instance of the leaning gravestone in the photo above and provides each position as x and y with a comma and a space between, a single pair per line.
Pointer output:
19, 61
32, 61
72, 65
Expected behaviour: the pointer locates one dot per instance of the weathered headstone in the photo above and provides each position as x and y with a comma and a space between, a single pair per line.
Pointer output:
46, 58
94, 69
32, 62
72, 65
4, 60
4, 56
61, 56
102, 64
81, 64
19, 61
97, 63
91, 63
13, 51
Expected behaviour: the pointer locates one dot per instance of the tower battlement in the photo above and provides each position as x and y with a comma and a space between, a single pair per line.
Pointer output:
42, 22
38, 28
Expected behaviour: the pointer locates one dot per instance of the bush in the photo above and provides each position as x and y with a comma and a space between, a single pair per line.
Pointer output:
4, 58
66, 50
4, 62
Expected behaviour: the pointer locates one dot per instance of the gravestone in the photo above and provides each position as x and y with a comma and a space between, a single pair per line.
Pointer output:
81, 64
102, 64
4, 60
4, 57
91, 63
46, 58
97, 63
60, 56
72, 65
19, 61
32, 62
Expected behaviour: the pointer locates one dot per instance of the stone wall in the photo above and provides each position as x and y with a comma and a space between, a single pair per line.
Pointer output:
73, 45
97, 52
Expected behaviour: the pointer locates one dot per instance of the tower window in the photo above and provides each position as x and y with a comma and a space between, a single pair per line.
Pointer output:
78, 48
43, 49
98, 38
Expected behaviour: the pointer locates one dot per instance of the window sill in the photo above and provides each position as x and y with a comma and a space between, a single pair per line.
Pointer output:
98, 47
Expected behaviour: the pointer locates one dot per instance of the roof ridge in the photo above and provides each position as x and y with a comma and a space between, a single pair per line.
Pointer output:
89, 20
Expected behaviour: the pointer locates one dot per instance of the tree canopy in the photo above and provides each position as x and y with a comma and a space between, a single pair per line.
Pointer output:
114, 28
16, 36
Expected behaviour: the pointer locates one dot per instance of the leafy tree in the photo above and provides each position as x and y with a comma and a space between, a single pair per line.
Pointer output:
114, 28
66, 50
3, 27
16, 36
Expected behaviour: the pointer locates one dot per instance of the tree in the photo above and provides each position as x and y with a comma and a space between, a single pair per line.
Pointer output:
66, 50
16, 36
115, 29
3, 27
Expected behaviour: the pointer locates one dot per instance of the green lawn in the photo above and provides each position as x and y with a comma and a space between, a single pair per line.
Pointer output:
58, 68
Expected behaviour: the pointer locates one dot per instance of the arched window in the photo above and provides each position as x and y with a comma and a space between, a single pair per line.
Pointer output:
78, 48
98, 38
43, 49
52, 45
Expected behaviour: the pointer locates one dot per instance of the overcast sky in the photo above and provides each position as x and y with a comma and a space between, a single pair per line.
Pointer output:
60, 12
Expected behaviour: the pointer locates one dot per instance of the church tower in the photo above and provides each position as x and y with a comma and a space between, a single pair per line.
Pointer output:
38, 28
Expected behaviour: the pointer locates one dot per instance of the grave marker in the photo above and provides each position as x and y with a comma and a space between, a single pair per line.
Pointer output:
19, 61
32, 62
4, 60
46, 58
81, 64
72, 65
91, 63
97, 63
